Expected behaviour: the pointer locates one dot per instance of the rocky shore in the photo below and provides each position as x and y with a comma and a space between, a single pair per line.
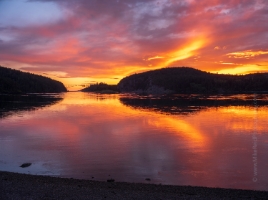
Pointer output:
22, 186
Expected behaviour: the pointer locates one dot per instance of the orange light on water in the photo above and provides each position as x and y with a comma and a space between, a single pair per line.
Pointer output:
180, 127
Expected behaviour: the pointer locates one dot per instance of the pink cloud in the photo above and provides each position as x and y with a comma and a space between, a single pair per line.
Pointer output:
116, 37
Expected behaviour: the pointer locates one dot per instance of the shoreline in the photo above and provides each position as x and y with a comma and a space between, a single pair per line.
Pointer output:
24, 186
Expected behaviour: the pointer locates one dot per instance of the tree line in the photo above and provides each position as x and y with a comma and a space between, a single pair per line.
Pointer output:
101, 88
15, 81
189, 80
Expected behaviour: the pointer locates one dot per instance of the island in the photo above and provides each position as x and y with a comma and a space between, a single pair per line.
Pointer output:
101, 88
18, 82
186, 80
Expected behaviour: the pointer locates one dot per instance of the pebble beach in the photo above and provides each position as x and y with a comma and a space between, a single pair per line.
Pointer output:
23, 186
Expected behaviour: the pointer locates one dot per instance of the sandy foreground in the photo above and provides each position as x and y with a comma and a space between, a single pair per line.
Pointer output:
22, 186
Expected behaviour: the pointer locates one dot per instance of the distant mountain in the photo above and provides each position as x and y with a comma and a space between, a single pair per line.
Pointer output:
15, 81
185, 80
101, 88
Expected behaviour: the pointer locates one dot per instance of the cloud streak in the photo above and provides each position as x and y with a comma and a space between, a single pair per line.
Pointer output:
96, 40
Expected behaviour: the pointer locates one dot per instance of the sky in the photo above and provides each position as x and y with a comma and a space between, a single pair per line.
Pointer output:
81, 42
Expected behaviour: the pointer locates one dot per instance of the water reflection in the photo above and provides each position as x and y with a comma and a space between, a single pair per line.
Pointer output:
87, 135
13, 104
187, 104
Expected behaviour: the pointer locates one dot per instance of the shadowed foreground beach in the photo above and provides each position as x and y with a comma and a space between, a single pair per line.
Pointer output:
22, 186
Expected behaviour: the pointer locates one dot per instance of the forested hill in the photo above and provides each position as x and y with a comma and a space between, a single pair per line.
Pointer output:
101, 88
15, 81
189, 80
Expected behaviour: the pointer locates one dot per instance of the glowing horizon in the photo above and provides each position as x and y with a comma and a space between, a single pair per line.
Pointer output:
83, 42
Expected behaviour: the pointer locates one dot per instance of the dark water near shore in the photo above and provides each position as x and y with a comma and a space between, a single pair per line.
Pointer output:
214, 141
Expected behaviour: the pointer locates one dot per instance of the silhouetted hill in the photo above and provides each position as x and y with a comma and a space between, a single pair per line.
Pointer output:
15, 81
101, 88
188, 80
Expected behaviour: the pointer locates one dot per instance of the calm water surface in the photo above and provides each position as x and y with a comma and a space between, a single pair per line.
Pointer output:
217, 141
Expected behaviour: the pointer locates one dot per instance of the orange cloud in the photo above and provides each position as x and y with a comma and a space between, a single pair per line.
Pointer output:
156, 57
247, 54
92, 41
186, 51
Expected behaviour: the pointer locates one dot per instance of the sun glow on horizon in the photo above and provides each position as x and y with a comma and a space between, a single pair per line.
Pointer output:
246, 69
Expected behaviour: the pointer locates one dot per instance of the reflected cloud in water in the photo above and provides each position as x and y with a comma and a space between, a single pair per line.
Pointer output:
187, 104
108, 136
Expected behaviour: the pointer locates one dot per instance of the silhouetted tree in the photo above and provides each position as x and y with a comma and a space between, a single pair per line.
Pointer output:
189, 80
101, 87
15, 81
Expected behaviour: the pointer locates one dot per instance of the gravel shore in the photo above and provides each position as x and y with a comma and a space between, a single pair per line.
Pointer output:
22, 186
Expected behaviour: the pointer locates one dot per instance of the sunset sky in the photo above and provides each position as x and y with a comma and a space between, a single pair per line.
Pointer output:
80, 42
